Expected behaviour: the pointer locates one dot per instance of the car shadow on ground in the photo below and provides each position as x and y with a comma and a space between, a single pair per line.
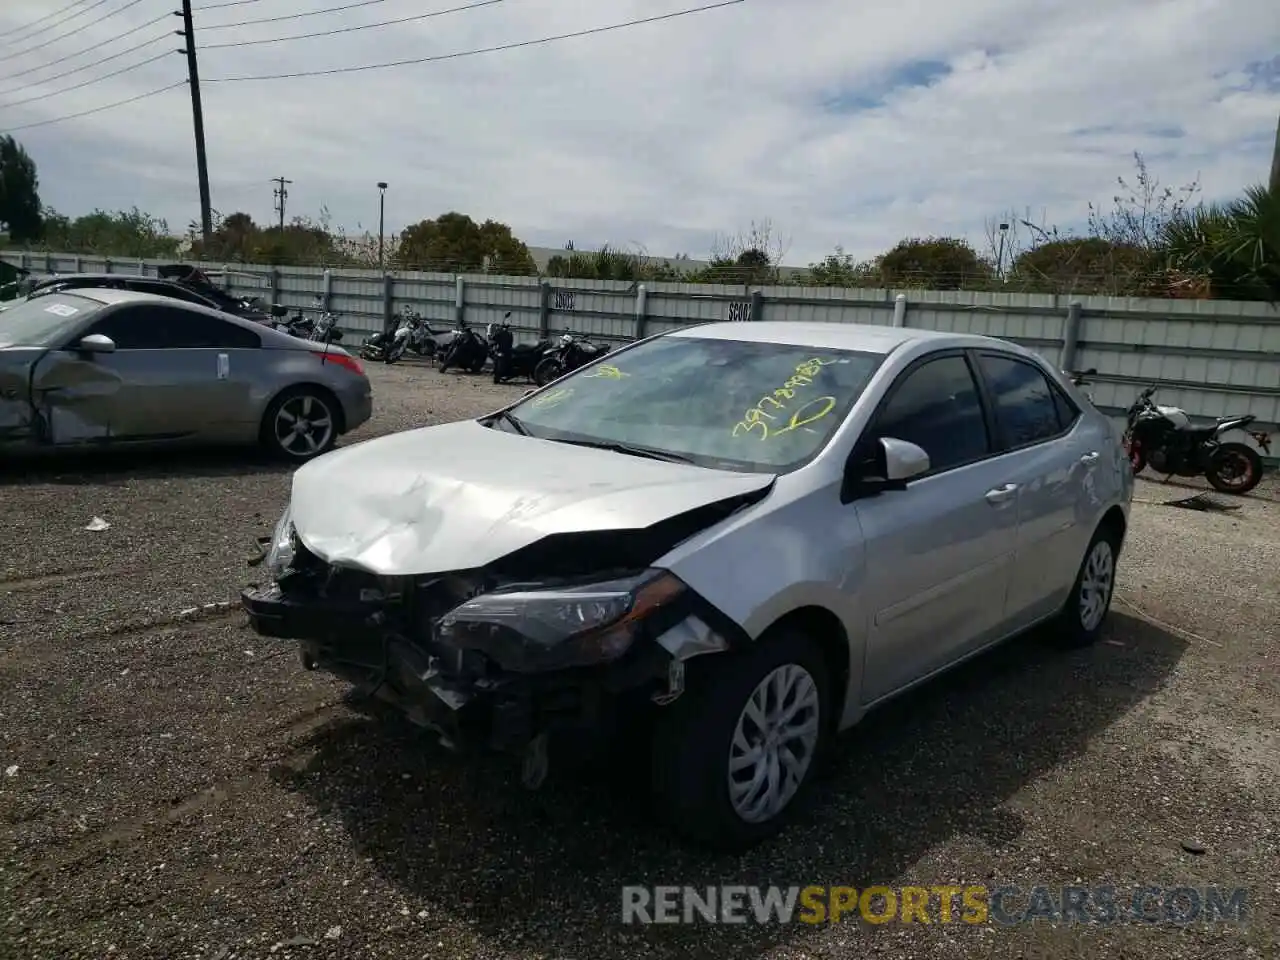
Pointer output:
547, 868
108, 466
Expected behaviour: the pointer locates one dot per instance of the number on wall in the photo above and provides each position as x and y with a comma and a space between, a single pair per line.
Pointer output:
738, 311
564, 300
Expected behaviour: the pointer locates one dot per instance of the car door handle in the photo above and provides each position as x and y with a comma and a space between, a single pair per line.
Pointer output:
1089, 459
1002, 494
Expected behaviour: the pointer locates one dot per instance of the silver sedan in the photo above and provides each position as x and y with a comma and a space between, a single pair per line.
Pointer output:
98, 367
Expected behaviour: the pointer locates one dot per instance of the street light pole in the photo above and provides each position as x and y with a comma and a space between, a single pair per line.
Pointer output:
382, 209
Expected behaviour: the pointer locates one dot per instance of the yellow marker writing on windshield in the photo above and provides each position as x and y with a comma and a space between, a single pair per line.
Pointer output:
605, 371
553, 398
753, 421
815, 409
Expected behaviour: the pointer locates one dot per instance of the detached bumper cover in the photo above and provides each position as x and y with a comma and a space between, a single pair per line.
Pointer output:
457, 693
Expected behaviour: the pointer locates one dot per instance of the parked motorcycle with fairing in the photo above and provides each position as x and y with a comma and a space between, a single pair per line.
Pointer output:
1165, 439
412, 335
326, 329
511, 359
570, 353
467, 349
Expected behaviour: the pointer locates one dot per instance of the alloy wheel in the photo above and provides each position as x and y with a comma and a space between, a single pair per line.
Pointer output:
303, 426
774, 743
1096, 584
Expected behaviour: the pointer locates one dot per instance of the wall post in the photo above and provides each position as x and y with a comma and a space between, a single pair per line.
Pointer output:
642, 308
544, 309
900, 310
388, 302
1071, 336
459, 301
757, 304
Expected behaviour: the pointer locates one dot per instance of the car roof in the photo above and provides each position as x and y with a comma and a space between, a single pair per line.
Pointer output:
73, 278
864, 337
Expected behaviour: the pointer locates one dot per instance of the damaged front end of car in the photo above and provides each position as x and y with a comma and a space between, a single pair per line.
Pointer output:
557, 646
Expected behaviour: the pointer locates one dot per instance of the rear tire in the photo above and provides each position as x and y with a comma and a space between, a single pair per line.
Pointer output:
1234, 468
301, 424
703, 776
1085, 611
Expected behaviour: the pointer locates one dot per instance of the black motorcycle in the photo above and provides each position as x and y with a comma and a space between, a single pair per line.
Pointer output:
571, 353
467, 350
1165, 439
511, 359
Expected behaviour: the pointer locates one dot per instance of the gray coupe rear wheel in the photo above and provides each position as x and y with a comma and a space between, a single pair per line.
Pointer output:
300, 424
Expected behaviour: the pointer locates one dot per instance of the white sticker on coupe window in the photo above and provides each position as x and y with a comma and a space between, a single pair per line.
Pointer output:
62, 310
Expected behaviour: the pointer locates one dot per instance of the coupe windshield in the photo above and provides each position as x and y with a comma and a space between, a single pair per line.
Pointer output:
734, 404
44, 321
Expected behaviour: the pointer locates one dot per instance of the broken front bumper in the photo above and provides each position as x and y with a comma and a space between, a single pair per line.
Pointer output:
459, 694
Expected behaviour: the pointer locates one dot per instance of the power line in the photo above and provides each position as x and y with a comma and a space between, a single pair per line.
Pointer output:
82, 27
287, 16
47, 16
70, 33
88, 49
86, 83
363, 26
228, 3
472, 53
50, 26
105, 106
88, 66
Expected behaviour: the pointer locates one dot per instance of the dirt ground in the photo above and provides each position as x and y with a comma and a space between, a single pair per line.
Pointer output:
173, 786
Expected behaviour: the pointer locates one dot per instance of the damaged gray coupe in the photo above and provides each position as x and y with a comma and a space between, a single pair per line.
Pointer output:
96, 368
735, 538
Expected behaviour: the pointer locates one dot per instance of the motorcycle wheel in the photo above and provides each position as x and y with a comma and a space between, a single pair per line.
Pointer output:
1137, 458
547, 370
1234, 468
478, 365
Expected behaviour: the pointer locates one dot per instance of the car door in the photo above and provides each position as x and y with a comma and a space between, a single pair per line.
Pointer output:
939, 553
1050, 453
175, 367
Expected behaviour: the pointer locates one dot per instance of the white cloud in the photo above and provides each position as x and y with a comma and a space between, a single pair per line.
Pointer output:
797, 110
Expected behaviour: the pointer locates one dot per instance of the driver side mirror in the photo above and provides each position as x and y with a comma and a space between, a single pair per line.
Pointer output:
882, 465
96, 343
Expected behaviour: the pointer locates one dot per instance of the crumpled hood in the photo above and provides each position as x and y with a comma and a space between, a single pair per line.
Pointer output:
461, 495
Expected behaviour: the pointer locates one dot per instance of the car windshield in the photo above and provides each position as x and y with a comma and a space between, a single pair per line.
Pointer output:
730, 404
44, 321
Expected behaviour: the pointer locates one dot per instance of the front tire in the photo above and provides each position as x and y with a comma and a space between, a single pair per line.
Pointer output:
1234, 468
1084, 614
300, 424
734, 754
547, 370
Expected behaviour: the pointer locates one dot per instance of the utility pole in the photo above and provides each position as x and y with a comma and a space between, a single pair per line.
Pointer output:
281, 194
1275, 163
197, 116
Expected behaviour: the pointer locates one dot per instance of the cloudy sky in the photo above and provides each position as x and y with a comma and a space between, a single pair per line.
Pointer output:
843, 123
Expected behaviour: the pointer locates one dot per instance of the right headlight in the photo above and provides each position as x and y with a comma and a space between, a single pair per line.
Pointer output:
283, 546
535, 629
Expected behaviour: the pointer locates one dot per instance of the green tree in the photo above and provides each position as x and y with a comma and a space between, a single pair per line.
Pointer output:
1234, 248
455, 242
839, 269
125, 233
19, 193
933, 263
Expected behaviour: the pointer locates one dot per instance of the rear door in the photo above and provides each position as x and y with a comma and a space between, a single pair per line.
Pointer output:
1050, 452
938, 553
177, 369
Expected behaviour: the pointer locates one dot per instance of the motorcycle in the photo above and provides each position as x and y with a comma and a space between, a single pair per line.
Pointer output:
570, 353
511, 359
413, 335
467, 349
1164, 438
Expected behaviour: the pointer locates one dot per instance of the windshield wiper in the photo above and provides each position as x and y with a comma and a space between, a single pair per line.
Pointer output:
630, 449
514, 423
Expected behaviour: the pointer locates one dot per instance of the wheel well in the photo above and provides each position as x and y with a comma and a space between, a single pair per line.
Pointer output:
824, 627
1114, 520
339, 413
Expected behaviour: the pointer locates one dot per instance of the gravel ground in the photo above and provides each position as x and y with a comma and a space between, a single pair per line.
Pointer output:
173, 786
